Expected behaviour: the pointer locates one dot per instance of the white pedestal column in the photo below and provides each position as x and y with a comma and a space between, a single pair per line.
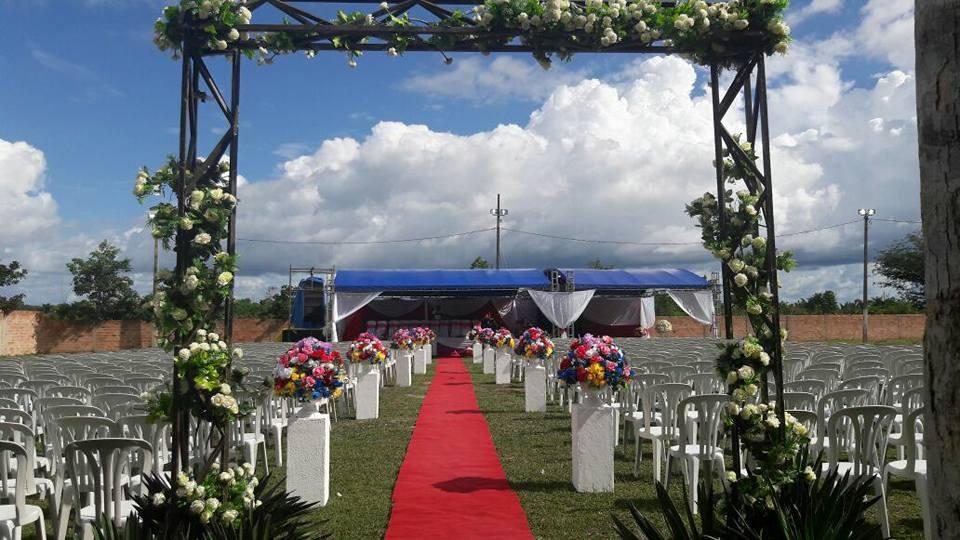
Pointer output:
428, 353
488, 358
593, 426
368, 394
477, 353
308, 455
405, 369
535, 388
419, 363
502, 366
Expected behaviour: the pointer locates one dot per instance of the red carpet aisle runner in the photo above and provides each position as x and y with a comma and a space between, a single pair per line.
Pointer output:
451, 484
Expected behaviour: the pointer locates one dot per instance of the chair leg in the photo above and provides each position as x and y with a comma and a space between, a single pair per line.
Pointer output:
87, 531
656, 459
921, 482
636, 455
882, 493
63, 520
42, 527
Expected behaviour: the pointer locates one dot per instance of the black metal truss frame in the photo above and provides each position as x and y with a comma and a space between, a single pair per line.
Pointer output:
314, 33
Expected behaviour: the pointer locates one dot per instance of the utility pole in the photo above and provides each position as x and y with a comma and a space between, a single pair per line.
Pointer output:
866, 213
499, 213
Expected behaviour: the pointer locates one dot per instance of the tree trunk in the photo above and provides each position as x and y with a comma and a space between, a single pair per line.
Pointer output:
938, 115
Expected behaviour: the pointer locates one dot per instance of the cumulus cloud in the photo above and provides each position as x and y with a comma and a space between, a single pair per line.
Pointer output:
27, 208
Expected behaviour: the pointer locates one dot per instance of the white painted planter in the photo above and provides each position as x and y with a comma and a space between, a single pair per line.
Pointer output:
535, 388
477, 353
308, 455
593, 427
503, 366
428, 353
419, 363
405, 369
368, 394
488, 360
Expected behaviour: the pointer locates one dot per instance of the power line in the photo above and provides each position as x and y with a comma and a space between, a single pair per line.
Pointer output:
818, 229
912, 222
364, 242
592, 241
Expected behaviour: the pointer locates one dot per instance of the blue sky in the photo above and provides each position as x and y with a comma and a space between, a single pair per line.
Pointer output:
84, 86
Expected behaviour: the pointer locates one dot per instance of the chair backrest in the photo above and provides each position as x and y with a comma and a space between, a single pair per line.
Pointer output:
862, 433
139, 426
76, 392
108, 402
23, 435
143, 384
665, 398
119, 389
704, 430
807, 418
679, 374
705, 383
10, 449
911, 421
897, 386
704, 366
870, 383
803, 401
100, 463
834, 401
811, 386
16, 415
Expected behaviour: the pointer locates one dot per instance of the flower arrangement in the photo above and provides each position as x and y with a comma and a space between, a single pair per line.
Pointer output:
223, 496
474, 333
206, 363
502, 338
309, 371
595, 362
423, 336
534, 343
664, 326
403, 340
705, 32
367, 348
486, 336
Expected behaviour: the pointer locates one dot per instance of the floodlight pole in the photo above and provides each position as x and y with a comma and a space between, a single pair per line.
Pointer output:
866, 213
499, 213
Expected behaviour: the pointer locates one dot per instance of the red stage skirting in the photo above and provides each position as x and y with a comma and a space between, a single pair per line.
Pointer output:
451, 484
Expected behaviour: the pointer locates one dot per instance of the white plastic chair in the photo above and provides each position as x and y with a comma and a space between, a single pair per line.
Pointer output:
912, 468
662, 398
101, 463
862, 433
14, 516
698, 442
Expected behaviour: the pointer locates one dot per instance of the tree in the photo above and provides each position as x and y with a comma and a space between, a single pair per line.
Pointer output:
11, 274
100, 278
275, 306
901, 266
665, 306
597, 264
479, 263
937, 34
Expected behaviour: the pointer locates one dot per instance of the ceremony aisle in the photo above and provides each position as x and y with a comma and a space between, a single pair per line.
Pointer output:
451, 484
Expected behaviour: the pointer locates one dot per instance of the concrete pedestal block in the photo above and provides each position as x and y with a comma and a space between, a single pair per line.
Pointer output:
535, 388
308, 455
405, 369
368, 394
593, 427
477, 353
503, 366
488, 359
419, 363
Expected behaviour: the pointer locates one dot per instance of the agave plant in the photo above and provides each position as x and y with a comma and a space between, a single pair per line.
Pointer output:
280, 516
678, 529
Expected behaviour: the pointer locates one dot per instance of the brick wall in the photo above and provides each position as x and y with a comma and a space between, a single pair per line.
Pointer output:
30, 332
817, 327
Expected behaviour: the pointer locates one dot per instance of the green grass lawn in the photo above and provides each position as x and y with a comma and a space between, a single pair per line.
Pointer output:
534, 449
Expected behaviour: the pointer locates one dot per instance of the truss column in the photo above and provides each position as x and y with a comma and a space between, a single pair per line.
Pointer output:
771, 258
721, 198
234, 154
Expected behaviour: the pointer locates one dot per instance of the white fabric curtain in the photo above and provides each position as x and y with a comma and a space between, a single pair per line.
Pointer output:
648, 312
562, 308
697, 304
346, 304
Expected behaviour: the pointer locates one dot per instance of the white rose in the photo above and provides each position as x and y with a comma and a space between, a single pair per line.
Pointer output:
736, 265
740, 280
746, 240
224, 279
745, 372
759, 243
809, 475
384, 5
197, 507
751, 389
184, 354
216, 194
733, 409
213, 504
213, 336
202, 239
238, 353
220, 45
186, 223
764, 358
196, 196
233, 35
205, 347
750, 210
732, 377
158, 499
191, 282
225, 389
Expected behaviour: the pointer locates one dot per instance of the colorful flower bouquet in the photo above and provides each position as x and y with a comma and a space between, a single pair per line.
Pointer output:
474, 333
595, 362
423, 336
367, 348
485, 336
534, 344
309, 371
503, 339
403, 340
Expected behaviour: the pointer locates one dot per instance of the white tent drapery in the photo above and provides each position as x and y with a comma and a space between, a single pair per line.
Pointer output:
562, 308
697, 304
346, 304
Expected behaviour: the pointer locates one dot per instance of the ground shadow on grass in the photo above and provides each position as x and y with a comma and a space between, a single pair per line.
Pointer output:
464, 411
543, 486
469, 484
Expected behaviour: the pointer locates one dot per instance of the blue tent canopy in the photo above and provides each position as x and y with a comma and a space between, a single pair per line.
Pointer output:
634, 279
480, 281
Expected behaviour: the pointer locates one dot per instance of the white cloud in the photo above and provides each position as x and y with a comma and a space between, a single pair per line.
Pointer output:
498, 79
815, 7
886, 31
27, 209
